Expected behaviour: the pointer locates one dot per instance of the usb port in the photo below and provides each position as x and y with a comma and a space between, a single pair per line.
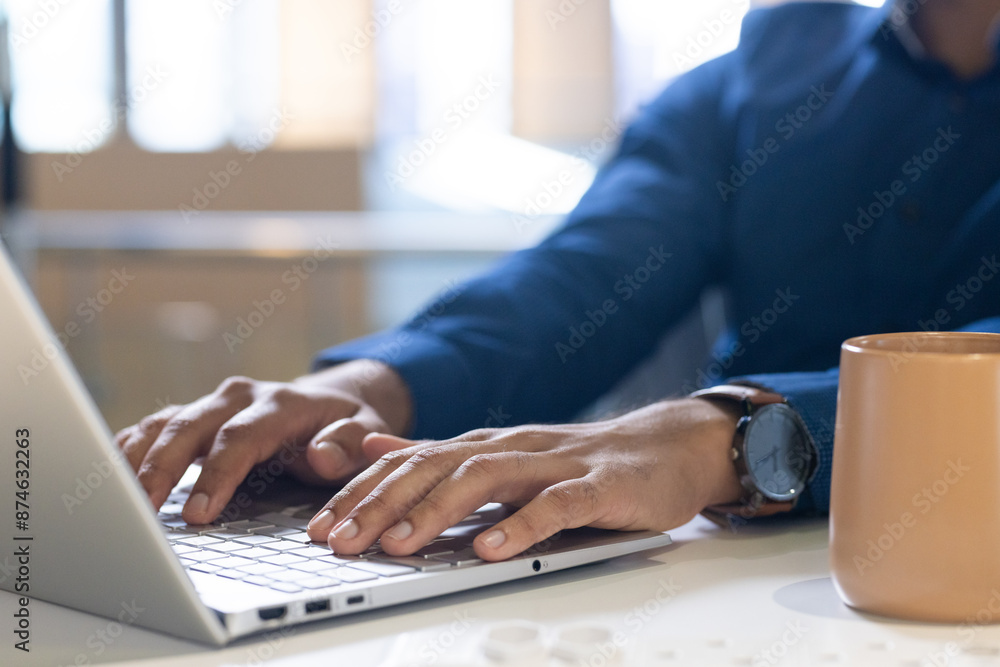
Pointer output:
272, 613
316, 606
356, 599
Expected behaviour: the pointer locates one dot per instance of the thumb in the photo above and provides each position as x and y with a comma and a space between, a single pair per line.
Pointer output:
377, 445
336, 452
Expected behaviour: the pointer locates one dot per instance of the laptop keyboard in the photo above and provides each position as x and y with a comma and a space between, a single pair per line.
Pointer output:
273, 550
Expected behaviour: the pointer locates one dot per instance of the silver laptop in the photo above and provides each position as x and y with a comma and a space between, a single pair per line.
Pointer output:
80, 532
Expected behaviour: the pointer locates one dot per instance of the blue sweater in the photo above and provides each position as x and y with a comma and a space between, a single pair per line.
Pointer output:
831, 181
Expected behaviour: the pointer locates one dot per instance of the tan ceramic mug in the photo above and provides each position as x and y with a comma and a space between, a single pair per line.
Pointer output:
915, 497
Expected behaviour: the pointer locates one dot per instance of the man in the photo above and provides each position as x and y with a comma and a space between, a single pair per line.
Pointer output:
839, 174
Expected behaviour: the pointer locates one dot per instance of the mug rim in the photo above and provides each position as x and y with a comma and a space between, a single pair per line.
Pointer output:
858, 344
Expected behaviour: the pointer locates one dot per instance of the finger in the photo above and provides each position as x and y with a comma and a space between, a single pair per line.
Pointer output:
183, 438
336, 451
253, 436
136, 440
503, 476
569, 504
417, 468
378, 445
324, 520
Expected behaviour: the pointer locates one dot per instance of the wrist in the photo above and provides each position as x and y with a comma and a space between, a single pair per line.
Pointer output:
722, 484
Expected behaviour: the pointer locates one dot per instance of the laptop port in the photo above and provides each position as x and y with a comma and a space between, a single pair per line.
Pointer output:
356, 599
272, 613
316, 606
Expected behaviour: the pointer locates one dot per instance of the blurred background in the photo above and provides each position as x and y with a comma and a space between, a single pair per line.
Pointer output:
201, 188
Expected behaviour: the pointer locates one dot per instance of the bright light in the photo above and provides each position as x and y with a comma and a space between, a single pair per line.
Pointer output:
62, 74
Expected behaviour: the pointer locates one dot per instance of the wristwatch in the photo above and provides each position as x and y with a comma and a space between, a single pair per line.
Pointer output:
774, 455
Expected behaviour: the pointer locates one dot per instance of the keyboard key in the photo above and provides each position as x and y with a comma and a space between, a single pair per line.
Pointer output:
349, 575
254, 552
283, 559
207, 568
312, 566
276, 531
187, 562
279, 519
313, 551
291, 575
381, 569
226, 547
204, 556
286, 587
258, 580
416, 562
261, 568
432, 551
247, 525
318, 582
282, 545
197, 540
231, 574
171, 508
461, 558
297, 536
181, 548
227, 534
340, 560
254, 540
192, 529
233, 562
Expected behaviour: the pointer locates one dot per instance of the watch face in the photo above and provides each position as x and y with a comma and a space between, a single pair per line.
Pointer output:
778, 452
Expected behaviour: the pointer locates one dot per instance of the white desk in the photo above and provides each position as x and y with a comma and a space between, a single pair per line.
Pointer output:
759, 597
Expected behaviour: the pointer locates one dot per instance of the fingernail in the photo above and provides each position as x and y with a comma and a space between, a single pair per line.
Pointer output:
334, 454
197, 503
400, 531
494, 539
323, 521
347, 530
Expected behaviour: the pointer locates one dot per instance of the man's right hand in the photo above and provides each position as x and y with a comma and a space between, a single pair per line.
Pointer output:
323, 416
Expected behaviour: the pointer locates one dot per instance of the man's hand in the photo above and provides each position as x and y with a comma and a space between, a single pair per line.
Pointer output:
324, 417
654, 468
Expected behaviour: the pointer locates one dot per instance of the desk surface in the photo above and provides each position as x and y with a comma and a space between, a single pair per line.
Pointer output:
761, 596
